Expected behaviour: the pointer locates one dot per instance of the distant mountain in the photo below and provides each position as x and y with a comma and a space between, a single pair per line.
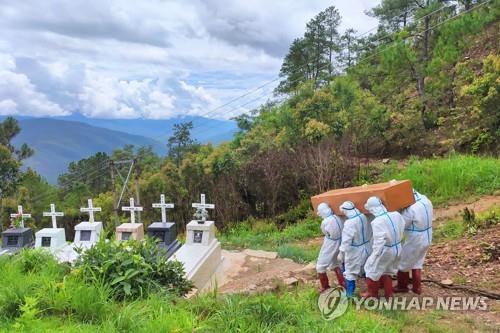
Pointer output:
59, 142
204, 129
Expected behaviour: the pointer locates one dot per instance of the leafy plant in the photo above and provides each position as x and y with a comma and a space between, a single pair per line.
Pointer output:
132, 269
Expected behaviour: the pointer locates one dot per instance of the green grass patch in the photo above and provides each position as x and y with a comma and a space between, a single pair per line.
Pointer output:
298, 253
469, 224
456, 177
265, 235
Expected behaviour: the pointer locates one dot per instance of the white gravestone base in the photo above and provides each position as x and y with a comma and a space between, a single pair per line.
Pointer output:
52, 239
86, 235
201, 255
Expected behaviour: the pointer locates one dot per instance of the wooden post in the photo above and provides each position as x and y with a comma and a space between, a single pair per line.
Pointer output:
136, 183
113, 187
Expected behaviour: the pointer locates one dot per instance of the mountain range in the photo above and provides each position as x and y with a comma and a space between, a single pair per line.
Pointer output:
59, 141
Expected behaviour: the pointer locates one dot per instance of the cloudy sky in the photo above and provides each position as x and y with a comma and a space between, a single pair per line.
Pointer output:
151, 58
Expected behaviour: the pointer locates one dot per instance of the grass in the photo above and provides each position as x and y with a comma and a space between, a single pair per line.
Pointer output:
50, 299
467, 225
456, 177
265, 235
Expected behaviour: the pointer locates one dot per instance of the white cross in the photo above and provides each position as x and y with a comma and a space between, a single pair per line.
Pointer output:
91, 209
132, 209
53, 214
20, 213
203, 205
163, 207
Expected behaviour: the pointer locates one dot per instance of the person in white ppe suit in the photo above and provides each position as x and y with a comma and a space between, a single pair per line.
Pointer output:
387, 229
331, 226
418, 230
356, 244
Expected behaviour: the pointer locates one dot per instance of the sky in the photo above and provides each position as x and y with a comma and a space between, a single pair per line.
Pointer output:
152, 59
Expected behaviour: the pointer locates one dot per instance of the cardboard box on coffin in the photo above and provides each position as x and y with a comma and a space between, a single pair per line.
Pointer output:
395, 195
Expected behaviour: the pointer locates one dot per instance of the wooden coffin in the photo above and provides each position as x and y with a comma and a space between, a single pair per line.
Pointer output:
395, 195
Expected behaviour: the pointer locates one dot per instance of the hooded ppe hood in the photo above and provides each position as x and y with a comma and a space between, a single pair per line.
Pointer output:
349, 209
416, 195
375, 206
324, 210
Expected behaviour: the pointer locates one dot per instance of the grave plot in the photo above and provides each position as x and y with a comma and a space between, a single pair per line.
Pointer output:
18, 237
53, 239
86, 234
201, 254
130, 230
164, 231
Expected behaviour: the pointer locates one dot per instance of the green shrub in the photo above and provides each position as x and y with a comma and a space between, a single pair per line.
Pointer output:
295, 214
132, 269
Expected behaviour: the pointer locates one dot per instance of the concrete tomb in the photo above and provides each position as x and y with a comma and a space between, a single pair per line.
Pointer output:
130, 230
201, 254
17, 238
164, 231
87, 233
53, 239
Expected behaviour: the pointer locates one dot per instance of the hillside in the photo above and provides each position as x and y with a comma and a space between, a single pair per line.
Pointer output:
57, 143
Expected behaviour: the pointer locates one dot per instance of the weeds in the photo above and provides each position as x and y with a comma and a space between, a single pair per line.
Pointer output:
456, 177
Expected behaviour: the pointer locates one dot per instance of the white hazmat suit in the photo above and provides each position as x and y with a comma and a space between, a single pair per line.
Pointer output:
331, 226
418, 230
356, 240
387, 229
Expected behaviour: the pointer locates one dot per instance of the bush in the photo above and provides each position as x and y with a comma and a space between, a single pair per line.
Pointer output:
132, 269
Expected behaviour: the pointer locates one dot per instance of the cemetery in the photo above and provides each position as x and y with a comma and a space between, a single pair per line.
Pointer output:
249, 166
200, 256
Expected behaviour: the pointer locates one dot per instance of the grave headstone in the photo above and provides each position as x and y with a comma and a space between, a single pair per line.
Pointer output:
201, 254
54, 239
165, 231
87, 233
16, 238
130, 230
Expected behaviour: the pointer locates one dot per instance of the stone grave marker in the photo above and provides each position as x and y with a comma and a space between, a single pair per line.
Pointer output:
54, 239
14, 239
165, 231
130, 230
201, 254
86, 234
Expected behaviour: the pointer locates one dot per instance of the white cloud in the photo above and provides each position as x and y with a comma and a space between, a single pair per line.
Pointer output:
151, 59
105, 97
18, 96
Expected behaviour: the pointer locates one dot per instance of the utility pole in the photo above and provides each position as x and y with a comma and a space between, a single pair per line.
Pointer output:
136, 183
113, 187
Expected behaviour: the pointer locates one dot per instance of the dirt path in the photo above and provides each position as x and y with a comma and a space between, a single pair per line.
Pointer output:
480, 205
253, 274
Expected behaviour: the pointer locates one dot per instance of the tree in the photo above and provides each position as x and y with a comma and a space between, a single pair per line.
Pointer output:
394, 14
313, 56
181, 142
348, 46
93, 172
10, 156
